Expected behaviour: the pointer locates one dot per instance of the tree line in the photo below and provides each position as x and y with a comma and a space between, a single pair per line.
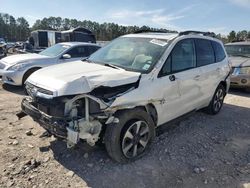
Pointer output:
13, 29
104, 31
18, 29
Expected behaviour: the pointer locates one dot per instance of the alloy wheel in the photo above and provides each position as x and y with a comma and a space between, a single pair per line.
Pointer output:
218, 100
135, 139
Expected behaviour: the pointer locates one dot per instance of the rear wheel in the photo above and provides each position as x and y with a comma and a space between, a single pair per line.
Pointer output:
217, 100
131, 137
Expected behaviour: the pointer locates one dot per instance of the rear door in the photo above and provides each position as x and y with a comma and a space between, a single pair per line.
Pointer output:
210, 57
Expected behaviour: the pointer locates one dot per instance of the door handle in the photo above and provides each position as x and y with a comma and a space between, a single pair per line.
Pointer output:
172, 78
197, 77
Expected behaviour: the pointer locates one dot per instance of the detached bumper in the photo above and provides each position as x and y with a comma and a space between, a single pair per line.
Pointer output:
56, 126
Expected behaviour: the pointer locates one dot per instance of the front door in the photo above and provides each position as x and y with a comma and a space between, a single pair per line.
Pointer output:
183, 76
76, 53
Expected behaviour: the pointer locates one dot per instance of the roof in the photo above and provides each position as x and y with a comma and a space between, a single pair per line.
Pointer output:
78, 29
164, 36
79, 43
41, 30
170, 36
239, 43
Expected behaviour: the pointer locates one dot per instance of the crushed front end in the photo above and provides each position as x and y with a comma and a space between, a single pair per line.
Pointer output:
72, 117
69, 117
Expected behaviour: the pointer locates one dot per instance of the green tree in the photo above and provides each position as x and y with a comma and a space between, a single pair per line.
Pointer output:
232, 36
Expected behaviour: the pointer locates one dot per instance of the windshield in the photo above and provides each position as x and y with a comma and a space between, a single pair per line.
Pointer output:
134, 54
55, 50
238, 50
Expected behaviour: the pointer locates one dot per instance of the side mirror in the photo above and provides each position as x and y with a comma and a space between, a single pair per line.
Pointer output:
66, 56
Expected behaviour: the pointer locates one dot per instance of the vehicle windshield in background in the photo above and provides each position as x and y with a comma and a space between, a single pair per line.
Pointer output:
238, 50
2, 40
55, 50
129, 53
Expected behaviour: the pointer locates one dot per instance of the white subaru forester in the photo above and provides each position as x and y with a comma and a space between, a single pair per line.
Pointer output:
122, 92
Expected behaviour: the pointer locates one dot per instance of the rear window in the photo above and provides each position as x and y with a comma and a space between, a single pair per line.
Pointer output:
219, 51
205, 52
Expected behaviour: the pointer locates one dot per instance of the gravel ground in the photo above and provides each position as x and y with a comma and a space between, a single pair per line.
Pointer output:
200, 151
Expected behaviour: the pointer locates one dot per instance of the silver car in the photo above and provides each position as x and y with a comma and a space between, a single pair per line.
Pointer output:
15, 69
239, 55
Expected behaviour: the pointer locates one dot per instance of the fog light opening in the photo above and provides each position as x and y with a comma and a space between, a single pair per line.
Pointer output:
9, 79
243, 81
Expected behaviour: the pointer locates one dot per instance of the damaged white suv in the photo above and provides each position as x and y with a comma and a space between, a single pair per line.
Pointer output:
128, 88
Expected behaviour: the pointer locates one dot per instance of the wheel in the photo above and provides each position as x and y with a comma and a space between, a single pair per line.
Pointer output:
217, 100
131, 137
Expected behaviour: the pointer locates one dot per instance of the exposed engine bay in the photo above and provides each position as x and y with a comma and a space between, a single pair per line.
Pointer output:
74, 117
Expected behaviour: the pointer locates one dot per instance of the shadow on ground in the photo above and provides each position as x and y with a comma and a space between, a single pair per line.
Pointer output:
14, 89
199, 141
239, 91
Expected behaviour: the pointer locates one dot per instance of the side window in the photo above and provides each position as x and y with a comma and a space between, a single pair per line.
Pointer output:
219, 52
205, 52
92, 49
79, 51
183, 55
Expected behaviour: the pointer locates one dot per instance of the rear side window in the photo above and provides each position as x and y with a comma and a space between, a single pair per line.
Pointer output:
219, 51
205, 52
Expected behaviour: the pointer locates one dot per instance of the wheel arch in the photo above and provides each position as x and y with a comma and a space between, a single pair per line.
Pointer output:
149, 108
28, 72
224, 84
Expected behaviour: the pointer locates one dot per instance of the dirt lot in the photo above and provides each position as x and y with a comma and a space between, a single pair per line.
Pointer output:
201, 151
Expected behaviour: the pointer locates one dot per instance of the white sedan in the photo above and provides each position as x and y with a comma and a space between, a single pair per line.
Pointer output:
15, 69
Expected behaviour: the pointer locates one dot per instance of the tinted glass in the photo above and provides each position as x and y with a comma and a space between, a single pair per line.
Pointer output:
92, 49
205, 52
219, 52
79, 51
183, 55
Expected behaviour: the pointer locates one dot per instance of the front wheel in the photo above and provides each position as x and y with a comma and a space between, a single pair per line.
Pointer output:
130, 138
217, 100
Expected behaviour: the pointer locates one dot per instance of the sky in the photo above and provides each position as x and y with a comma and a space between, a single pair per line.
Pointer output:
219, 16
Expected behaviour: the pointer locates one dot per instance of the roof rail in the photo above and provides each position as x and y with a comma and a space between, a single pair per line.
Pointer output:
151, 31
210, 34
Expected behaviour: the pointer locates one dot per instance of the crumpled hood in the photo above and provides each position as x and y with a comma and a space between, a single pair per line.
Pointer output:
20, 58
80, 77
239, 61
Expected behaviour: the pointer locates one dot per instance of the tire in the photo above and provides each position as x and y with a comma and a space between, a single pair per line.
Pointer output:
124, 136
217, 101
